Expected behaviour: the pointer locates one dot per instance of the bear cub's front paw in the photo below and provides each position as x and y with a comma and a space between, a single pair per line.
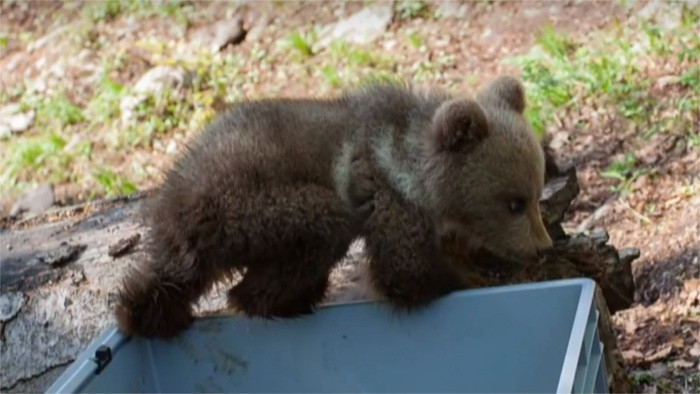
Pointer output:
363, 186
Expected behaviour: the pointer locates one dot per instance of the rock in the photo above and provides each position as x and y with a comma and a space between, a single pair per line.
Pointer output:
360, 28
258, 28
154, 82
10, 305
227, 32
667, 15
219, 35
451, 9
35, 202
4, 131
14, 121
40, 43
157, 79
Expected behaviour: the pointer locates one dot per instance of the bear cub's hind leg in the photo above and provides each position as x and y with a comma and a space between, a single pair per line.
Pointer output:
298, 235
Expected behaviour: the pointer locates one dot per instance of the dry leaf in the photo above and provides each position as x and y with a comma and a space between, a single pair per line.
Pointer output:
662, 353
632, 355
695, 350
678, 342
682, 364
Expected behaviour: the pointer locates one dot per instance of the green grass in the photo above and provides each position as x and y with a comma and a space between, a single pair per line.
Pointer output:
609, 72
626, 171
409, 9
104, 106
107, 10
113, 184
416, 40
56, 112
299, 44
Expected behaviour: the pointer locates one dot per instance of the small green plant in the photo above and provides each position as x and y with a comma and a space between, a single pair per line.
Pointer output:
103, 10
642, 378
409, 9
555, 43
113, 184
416, 39
330, 74
58, 111
4, 40
625, 171
300, 43
104, 106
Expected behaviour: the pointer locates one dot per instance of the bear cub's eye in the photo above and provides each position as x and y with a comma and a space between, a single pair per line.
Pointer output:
516, 206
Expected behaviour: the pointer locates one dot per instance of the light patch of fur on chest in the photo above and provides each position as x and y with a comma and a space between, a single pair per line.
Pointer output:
342, 166
399, 172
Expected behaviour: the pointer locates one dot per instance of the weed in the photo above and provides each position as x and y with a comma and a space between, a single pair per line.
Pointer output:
331, 76
691, 78
34, 157
104, 106
625, 171
555, 43
4, 40
113, 184
300, 43
103, 10
58, 111
416, 39
642, 378
409, 9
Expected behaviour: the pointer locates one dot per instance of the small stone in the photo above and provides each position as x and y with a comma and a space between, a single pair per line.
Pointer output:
155, 81
35, 202
362, 27
5, 131
258, 29
171, 149
21, 122
451, 9
695, 350
227, 32
10, 305
41, 42
76, 277
159, 78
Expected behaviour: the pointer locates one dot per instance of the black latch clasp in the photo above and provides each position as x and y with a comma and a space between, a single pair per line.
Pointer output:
103, 355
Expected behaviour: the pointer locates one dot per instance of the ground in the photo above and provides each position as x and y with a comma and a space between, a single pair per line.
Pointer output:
614, 86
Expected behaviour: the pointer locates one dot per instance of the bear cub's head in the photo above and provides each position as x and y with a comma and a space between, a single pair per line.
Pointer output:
488, 172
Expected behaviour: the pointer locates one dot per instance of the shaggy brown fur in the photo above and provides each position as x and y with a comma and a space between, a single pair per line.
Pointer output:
278, 189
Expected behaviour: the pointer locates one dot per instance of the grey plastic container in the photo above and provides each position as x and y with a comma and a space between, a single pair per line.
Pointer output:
538, 337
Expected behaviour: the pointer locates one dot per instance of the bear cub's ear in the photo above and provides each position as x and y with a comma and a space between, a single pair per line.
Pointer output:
507, 91
458, 124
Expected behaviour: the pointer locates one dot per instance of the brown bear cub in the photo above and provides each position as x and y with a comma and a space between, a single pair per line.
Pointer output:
278, 189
